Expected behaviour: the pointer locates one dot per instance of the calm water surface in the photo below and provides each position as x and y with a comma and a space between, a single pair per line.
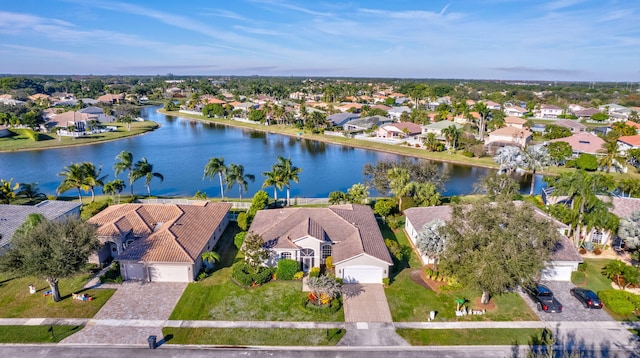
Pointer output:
180, 148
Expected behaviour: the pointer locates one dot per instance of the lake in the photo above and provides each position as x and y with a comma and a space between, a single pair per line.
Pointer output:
180, 148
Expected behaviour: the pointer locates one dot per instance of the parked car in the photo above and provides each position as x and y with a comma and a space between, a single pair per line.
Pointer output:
543, 298
588, 298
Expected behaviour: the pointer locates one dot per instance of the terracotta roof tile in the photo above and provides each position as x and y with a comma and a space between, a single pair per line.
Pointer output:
632, 140
583, 142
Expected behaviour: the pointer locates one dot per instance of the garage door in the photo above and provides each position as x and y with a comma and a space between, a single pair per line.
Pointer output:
133, 271
362, 274
166, 273
557, 273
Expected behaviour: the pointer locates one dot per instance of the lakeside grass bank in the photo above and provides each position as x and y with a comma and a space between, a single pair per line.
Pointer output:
51, 141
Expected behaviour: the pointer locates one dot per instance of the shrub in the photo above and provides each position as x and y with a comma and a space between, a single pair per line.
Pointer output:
582, 251
467, 153
287, 269
583, 266
238, 240
91, 209
597, 251
263, 276
385, 281
202, 275
620, 302
112, 274
243, 221
396, 221
315, 272
240, 272
478, 150
329, 262
298, 275
29, 133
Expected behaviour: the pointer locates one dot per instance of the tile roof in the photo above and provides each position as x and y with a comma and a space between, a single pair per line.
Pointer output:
569, 123
583, 142
632, 140
352, 228
167, 232
12, 216
564, 251
413, 128
514, 120
633, 124
622, 207
511, 132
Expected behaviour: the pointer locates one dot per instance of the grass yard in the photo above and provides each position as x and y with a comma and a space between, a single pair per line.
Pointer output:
36, 334
50, 140
410, 302
16, 302
218, 298
459, 337
254, 336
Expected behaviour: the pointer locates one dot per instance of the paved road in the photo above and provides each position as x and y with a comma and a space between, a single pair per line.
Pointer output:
288, 352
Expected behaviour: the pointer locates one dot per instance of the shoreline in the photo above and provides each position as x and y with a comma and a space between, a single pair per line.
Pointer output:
349, 142
79, 144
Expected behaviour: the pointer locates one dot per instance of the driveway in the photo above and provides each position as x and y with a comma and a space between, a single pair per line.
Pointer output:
130, 304
572, 309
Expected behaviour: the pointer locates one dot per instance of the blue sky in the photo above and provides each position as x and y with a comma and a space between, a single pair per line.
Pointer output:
591, 40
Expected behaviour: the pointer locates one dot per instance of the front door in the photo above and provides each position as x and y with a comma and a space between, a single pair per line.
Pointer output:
307, 259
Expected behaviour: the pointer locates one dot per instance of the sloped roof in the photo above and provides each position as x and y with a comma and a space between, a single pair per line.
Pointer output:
514, 120
564, 251
583, 142
622, 207
442, 125
352, 228
632, 140
167, 232
511, 132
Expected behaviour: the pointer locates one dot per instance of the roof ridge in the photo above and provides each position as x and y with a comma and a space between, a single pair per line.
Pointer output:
174, 236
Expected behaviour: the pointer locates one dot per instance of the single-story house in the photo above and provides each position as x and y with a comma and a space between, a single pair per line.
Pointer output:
366, 123
509, 136
583, 142
565, 258
515, 122
585, 113
396, 112
348, 233
159, 242
97, 114
515, 111
627, 142
437, 127
12, 216
399, 130
339, 119
111, 98
573, 126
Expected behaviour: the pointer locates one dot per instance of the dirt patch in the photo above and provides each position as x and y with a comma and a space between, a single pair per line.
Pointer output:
477, 305
420, 277
416, 277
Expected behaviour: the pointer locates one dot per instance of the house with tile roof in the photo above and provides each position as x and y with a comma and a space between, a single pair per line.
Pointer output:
627, 142
565, 257
159, 242
348, 233
573, 126
583, 142
399, 130
366, 123
515, 111
509, 136
515, 122
585, 113
111, 98
12, 216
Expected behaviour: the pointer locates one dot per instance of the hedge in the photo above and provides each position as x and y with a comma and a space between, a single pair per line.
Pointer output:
241, 272
286, 269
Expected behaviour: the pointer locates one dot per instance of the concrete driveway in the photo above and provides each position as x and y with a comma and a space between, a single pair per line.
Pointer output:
130, 304
572, 309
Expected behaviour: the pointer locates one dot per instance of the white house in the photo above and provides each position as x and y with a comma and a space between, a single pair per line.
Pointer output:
509, 136
549, 111
348, 233
514, 111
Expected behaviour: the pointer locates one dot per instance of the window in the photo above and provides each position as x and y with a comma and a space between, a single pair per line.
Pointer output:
285, 255
597, 237
326, 252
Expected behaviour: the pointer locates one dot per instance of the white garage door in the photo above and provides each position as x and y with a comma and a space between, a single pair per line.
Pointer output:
133, 271
362, 274
167, 273
557, 273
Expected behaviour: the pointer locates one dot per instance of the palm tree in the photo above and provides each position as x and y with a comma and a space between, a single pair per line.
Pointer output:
273, 179
611, 157
452, 133
125, 163
7, 191
113, 187
210, 257
398, 182
92, 178
215, 166
236, 175
144, 169
30, 191
482, 109
288, 172
74, 177
535, 157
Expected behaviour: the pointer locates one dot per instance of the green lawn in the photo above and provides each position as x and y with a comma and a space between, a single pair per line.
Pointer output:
459, 337
410, 302
254, 336
36, 334
218, 298
16, 302
50, 140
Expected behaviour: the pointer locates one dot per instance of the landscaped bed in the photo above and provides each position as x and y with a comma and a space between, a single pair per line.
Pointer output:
254, 336
412, 302
17, 302
459, 337
36, 334
219, 298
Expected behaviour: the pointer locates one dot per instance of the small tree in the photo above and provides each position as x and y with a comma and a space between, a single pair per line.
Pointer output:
629, 231
495, 184
254, 252
210, 257
430, 241
337, 197
358, 193
384, 207
50, 249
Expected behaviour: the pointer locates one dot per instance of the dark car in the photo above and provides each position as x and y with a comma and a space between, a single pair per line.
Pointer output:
588, 298
543, 298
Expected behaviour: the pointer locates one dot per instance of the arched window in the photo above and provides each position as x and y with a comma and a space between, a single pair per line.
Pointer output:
307, 253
